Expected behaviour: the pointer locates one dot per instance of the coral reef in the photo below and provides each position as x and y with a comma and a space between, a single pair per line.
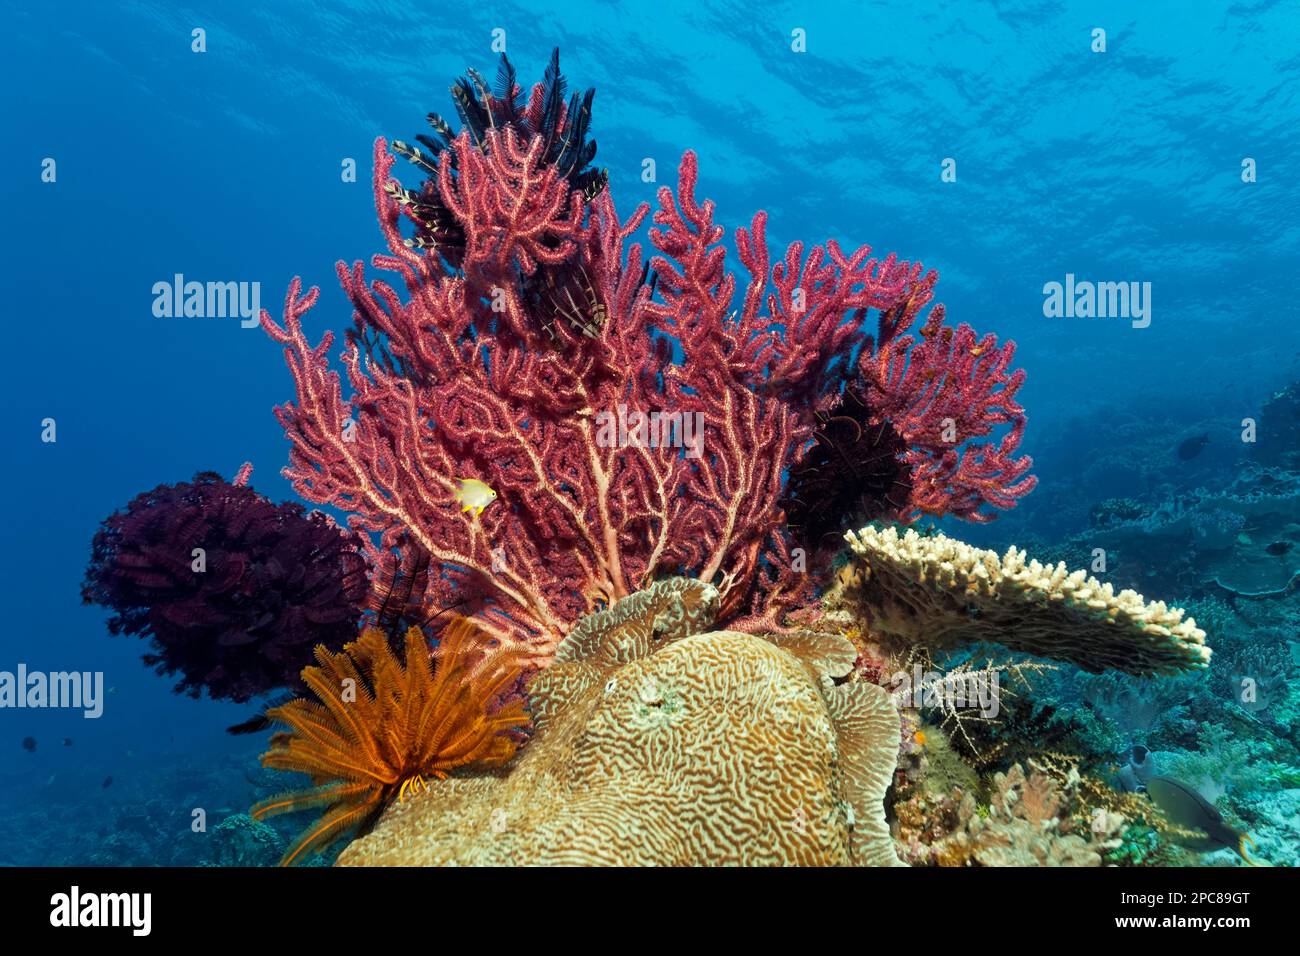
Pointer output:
1139, 706
661, 742
938, 592
380, 726
1275, 826
272, 582
1027, 823
1278, 440
146, 819
1222, 763
938, 768
1049, 817
1116, 453
1238, 539
239, 840
536, 352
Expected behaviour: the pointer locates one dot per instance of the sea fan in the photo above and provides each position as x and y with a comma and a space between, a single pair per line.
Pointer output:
562, 129
561, 291
270, 584
379, 727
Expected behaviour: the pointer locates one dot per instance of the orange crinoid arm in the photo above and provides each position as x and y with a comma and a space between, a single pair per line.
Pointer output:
378, 722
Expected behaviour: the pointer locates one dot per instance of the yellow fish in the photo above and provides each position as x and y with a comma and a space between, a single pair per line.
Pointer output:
474, 495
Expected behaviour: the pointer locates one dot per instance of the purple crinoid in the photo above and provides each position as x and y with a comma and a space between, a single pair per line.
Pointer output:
233, 590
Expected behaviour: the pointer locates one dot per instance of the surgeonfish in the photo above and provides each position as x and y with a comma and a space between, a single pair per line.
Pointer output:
1189, 810
1193, 447
474, 495
1138, 770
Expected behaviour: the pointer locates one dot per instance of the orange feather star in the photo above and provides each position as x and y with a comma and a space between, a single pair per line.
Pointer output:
380, 726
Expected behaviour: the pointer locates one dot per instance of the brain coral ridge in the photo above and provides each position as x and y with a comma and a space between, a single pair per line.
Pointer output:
662, 742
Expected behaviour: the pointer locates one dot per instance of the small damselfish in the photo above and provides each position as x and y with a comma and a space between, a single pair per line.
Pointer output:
474, 495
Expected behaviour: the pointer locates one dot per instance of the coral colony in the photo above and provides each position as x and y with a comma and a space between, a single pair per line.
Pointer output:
613, 486
529, 319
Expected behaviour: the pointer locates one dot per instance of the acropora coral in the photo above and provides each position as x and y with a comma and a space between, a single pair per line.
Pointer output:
380, 726
233, 590
636, 419
938, 591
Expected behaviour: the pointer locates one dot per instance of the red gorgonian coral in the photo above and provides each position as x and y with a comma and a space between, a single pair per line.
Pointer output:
631, 429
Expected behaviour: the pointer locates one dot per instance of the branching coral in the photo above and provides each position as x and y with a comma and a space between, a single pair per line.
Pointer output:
378, 726
529, 330
938, 592
1028, 823
232, 589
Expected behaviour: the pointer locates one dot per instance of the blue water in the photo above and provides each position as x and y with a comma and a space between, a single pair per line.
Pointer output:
1117, 166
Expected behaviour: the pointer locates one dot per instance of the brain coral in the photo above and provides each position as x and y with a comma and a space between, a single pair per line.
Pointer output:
937, 591
661, 743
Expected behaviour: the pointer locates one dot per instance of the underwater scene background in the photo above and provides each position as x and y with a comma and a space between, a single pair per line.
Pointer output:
1047, 172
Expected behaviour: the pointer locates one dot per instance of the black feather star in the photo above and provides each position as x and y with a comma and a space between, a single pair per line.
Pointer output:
853, 474
559, 295
563, 133
394, 603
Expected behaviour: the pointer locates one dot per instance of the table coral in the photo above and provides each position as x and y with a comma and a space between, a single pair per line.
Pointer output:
660, 742
936, 591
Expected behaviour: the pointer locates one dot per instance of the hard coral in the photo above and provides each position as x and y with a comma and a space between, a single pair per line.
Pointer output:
660, 745
529, 330
938, 592
239, 840
1028, 824
273, 583
379, 727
